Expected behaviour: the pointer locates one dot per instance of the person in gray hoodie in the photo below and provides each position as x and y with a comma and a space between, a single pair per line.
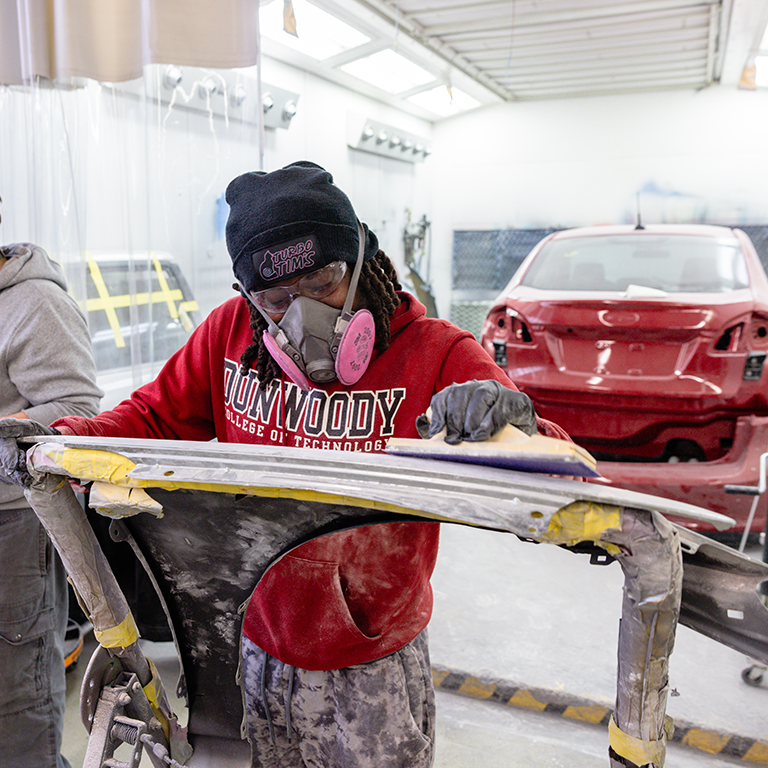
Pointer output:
46, 371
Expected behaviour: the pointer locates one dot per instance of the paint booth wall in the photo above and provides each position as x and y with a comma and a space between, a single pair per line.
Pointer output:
691, 156
103, 172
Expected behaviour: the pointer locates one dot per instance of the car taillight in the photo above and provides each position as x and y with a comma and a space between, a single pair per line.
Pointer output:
504, 327
514, 329
759, 331
730, 338
745, 336
750, 337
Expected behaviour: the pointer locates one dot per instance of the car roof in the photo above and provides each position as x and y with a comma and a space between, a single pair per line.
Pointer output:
702, 230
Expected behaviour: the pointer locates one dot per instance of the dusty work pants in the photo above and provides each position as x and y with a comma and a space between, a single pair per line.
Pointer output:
375, 715
33, 619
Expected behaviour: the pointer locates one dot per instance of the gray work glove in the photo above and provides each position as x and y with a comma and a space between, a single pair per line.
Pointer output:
13, 459
475, 411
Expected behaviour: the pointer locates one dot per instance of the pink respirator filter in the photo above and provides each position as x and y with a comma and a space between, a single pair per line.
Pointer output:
355, 348
285, 361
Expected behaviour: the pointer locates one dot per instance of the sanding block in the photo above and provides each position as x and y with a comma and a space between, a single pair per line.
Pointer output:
511, 449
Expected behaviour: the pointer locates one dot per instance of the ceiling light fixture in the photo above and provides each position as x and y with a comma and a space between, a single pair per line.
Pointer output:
238, 95
390, 141
289, 110
225, 93
171, 77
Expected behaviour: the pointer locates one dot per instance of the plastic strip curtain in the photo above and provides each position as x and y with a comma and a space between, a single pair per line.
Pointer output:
129, 175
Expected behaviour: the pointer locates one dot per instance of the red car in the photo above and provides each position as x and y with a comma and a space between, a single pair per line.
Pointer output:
648, 346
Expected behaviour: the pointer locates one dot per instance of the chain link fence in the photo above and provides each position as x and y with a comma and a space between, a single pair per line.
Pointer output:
759, 237
483, 263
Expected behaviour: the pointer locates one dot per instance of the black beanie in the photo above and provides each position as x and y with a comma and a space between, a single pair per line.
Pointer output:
289, 222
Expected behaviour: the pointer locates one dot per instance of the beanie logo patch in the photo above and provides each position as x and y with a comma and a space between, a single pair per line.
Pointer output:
279, 262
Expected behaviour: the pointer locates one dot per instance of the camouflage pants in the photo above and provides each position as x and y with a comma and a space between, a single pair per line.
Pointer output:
375, 715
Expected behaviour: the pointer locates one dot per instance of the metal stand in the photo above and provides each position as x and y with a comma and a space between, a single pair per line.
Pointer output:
753, 674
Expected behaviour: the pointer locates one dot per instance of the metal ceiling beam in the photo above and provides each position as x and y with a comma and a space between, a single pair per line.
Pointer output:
521, 82
574, 13
723, 33
714, 32
619, 55
588, 38
587, 89
745, 27
495, 23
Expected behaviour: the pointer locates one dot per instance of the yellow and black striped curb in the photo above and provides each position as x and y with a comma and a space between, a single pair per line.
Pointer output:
555, 702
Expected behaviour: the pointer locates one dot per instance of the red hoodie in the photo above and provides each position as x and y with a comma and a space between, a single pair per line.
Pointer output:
353, 596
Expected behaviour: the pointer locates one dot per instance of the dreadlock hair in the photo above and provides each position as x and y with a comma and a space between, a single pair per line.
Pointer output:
377, 285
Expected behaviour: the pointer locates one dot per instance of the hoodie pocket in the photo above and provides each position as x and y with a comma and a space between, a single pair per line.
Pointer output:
300, 615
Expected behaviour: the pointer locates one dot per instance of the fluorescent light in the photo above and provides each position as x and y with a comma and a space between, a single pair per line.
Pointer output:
320, 35
439, 101
761, 71
389, 71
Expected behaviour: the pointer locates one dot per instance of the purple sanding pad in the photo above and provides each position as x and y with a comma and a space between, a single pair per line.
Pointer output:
576, 463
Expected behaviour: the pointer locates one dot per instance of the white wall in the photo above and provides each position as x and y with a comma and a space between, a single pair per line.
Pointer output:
380, 188
692, 156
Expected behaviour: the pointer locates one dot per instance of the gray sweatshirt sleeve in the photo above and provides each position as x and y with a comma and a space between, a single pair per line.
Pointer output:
48, 356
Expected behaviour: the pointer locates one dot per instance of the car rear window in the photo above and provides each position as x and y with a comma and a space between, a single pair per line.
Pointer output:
673, 264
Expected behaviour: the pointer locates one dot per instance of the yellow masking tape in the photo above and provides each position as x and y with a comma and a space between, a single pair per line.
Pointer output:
118, 501
101, 289
90, 465
153, 690
583, 521
124, 634
638, 751
165, 288
137, 299
108, 304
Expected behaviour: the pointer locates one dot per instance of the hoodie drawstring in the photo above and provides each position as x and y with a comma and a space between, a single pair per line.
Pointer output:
288, 698
264, 697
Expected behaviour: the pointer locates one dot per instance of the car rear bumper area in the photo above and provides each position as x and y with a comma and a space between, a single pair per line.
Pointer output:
703, 483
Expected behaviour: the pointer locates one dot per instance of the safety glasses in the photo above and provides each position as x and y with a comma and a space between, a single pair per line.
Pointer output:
316, 285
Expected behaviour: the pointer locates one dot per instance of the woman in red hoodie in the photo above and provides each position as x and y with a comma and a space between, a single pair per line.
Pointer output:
322, 349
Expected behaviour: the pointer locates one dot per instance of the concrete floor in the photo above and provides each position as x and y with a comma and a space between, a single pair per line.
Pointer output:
546, 621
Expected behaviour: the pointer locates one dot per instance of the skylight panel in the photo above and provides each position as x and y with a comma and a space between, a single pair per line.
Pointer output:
444, 102
320, 35
389, 71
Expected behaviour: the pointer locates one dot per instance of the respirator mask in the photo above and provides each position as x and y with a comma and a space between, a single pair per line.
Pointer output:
314, 342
